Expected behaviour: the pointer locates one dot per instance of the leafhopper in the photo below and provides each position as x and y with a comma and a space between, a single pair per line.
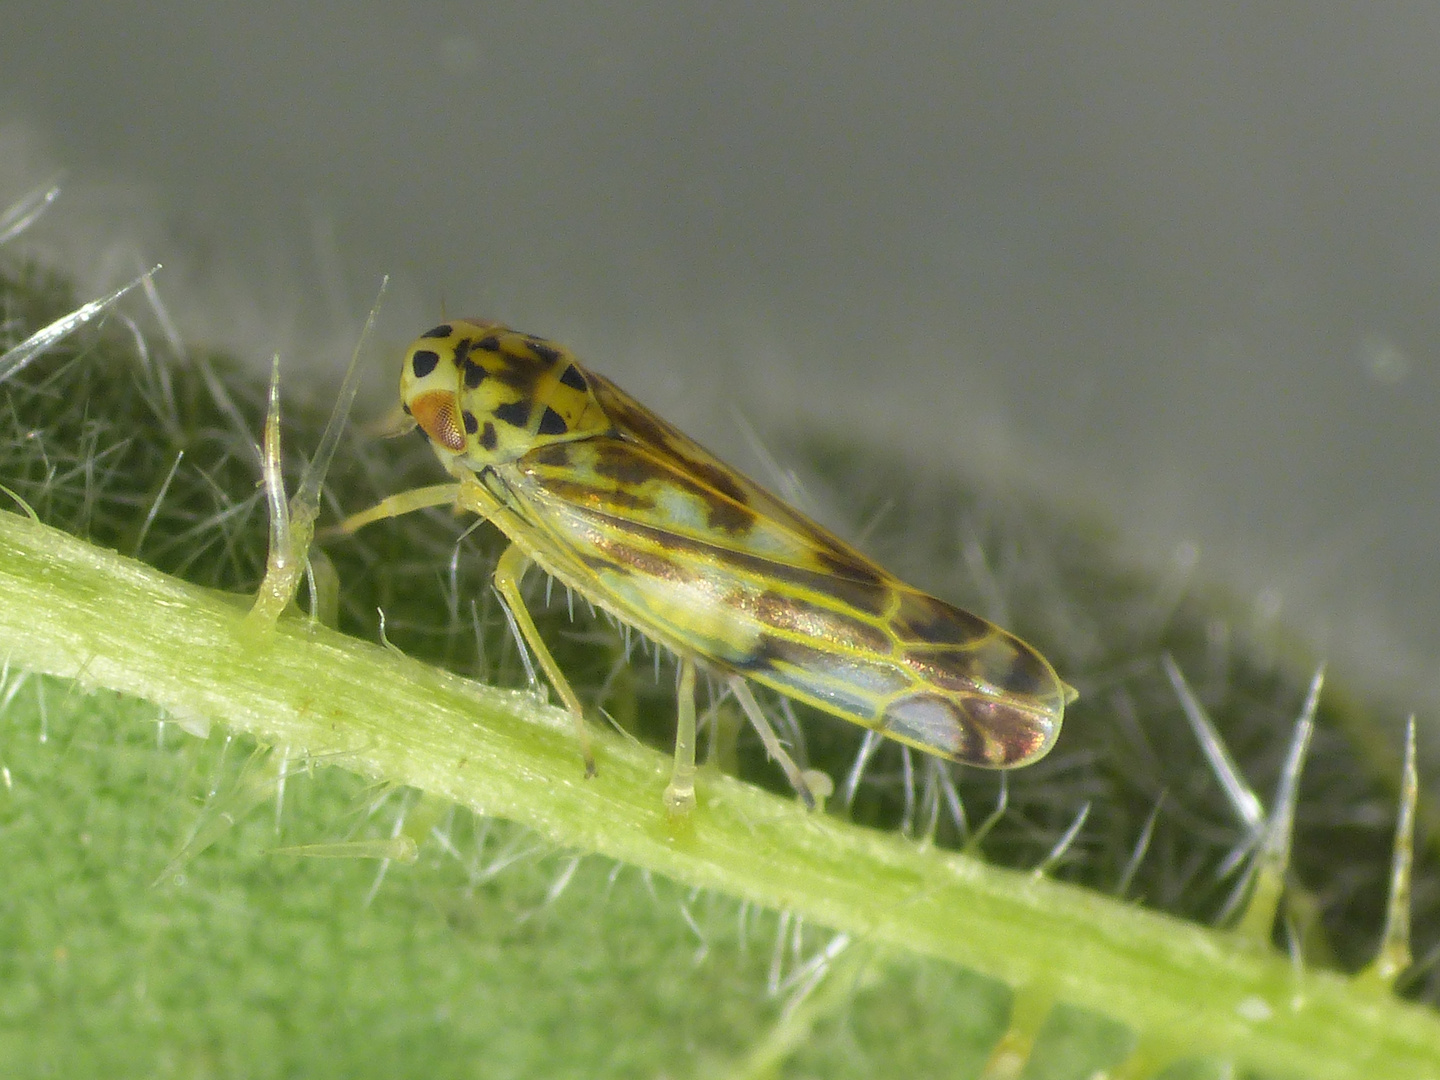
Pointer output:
620, 506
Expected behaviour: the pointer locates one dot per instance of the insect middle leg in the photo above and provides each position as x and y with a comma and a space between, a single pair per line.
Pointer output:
508, 572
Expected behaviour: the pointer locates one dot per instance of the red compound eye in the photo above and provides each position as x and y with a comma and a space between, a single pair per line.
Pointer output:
439, 418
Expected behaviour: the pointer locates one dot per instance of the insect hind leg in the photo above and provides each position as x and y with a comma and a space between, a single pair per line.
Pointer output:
508, 572
741, 689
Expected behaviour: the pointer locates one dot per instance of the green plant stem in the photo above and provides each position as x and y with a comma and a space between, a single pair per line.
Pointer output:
72, 610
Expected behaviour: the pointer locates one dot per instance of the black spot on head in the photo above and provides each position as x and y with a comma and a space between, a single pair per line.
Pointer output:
474, 374
552, 423
514, 413
490, 343
487, 437
471, 424
544, 350
462, 350
424, 362
444, 330
572, 378
405, 407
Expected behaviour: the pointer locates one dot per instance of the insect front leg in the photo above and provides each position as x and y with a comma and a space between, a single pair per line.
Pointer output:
508, 572
680, 792
403, 503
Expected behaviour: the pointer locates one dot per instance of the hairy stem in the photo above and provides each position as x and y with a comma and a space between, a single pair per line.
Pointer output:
73, 610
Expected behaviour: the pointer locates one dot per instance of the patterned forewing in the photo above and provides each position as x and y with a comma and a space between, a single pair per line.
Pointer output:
650, 526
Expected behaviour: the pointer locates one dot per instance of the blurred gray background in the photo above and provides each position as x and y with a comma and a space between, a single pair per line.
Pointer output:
1173, 264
